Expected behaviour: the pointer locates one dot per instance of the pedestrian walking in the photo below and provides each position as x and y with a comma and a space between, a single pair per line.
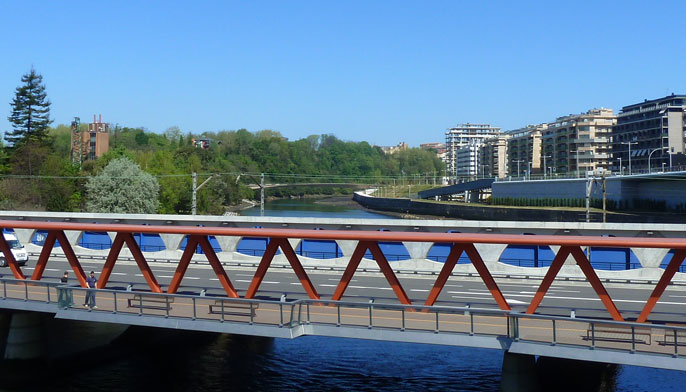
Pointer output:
90, 293
66, 297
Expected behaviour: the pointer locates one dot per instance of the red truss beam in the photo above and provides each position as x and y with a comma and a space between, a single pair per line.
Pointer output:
366, 240
117, 245
666, 277
354, 262
265, 262
191, 245
585, 265
68, 253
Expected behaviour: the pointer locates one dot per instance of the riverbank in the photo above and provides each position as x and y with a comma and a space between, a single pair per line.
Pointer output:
472, 211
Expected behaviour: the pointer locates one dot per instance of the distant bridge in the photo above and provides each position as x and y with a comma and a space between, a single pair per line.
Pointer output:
325, 184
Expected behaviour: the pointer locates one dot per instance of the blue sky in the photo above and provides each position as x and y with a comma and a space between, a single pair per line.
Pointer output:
378, 71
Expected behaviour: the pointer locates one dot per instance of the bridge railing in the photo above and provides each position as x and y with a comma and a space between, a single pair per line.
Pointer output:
593, 334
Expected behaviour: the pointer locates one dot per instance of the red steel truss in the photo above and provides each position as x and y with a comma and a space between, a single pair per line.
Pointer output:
367, 240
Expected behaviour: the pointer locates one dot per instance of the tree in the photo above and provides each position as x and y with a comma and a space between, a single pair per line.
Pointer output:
122, 187
30, 116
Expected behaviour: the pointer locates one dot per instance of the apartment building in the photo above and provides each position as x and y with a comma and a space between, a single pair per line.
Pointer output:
90, 144
524, 150
492, 159
465, 135
650, 131
579, 143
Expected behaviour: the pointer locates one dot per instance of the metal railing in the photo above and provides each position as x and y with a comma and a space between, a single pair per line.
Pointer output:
594, 334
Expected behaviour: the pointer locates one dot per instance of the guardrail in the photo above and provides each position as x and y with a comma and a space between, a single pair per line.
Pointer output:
552, 331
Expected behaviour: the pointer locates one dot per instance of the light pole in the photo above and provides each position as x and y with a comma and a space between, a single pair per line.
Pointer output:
519, 172
545, 166
620, 166
629, 144
651, 154
663, 166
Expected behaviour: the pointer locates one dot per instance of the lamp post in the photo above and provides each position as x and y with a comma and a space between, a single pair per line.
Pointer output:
620, 166
519, 172
545, 166
651, 154
629, 144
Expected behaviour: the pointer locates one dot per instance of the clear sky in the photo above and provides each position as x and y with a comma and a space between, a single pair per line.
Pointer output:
379, 71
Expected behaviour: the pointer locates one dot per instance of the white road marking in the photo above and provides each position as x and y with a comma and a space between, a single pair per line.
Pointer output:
419, 290
514, 301
359, 287
264, 281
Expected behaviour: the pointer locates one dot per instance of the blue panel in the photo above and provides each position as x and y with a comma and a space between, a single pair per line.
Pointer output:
440, 251
39, 238
668, 258
253, 246
394, 251
149, 242
95, 240
319, 249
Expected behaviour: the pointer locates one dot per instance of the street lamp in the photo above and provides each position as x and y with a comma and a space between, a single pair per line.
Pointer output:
651, 153
629, 144
545, 166
519, 172
620, 166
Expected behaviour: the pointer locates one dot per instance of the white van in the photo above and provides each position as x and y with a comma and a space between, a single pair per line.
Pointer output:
18, 251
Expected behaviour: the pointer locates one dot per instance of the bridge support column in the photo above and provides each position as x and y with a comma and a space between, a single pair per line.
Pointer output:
561, 374
519, 373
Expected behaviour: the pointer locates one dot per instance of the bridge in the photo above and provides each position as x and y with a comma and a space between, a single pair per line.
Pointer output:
567, 310
322, 184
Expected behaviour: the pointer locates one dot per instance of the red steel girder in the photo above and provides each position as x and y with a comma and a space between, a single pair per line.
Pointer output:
585, 266
661, 285
9, 258
58, 235
450, 262
48, 245
265, 262
135, 250
216, 266
486, 276
185, 260
354, 262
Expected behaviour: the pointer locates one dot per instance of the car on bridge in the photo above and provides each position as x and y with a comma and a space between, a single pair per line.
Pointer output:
17, 248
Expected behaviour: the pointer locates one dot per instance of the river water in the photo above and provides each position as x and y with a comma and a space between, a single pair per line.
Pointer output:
210, 362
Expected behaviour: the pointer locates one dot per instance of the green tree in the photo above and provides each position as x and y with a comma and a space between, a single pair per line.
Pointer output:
122, 187
30, 116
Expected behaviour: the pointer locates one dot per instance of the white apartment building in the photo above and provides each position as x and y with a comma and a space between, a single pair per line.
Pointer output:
465, 135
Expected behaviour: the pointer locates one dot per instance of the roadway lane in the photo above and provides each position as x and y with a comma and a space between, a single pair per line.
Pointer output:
562, 297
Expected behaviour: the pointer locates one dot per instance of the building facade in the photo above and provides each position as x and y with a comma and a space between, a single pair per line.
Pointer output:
92, 143
493, 157
650, 134
524, 150
462, 136
578, 143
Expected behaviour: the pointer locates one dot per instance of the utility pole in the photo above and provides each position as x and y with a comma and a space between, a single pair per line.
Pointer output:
589, 186
604, 200
261, 194
194, 202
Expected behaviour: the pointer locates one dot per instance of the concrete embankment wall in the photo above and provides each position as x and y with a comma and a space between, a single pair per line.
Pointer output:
475, 212
486, 213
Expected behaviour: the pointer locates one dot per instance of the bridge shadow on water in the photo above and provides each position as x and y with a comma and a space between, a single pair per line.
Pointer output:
172, 360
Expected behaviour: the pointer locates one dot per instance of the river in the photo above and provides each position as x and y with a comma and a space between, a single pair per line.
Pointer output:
210, 362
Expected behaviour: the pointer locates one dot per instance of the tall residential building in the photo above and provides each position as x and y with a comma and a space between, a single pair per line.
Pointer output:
461, 136
651, 127
90, 144
524, 150
579, 142
492, 157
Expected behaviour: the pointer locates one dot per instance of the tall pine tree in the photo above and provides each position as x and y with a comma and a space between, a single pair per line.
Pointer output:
30, 112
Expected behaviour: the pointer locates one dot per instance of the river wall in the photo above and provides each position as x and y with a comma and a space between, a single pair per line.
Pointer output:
480, 212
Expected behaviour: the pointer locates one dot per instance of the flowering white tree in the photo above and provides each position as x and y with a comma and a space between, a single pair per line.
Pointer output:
122, 187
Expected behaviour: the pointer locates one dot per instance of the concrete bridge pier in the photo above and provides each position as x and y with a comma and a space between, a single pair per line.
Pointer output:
525, 373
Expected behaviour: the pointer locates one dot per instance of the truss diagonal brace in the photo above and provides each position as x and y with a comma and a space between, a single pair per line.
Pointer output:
661, 285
